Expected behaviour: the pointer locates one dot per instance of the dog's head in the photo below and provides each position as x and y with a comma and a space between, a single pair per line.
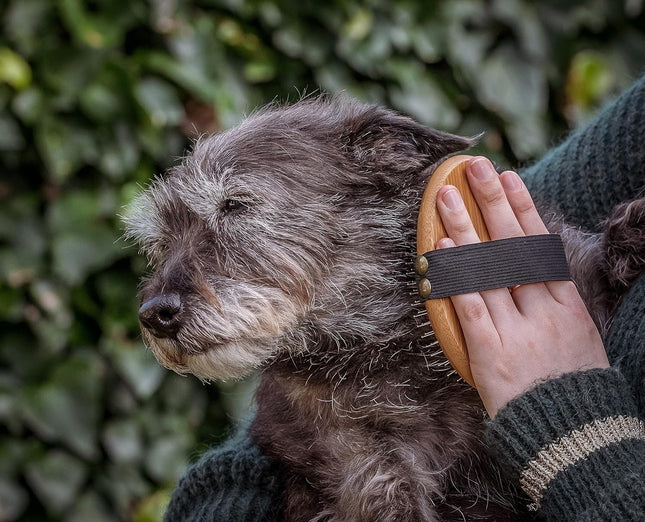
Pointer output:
279, 231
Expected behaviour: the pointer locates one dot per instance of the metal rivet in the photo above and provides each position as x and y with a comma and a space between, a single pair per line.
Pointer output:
421, 265
424, 288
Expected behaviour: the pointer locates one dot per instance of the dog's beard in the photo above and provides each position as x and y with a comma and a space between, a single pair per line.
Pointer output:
234, 360
231, 336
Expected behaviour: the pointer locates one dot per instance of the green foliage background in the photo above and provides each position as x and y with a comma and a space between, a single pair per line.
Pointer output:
96, 96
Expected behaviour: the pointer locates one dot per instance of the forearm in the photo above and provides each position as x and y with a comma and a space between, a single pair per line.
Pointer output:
576, 446
598, 165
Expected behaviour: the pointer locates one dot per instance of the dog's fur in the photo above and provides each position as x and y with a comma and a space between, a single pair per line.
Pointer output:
289, 240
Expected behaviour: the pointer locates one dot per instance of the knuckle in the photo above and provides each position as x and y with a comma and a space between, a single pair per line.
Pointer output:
571, 297
570, 289
473, 311
524, 205
494, 196
462, 226
505, 371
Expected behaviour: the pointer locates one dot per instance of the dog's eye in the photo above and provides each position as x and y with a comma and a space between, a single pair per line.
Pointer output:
233, 205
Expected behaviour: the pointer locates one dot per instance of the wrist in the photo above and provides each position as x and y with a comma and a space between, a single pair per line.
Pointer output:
543, 435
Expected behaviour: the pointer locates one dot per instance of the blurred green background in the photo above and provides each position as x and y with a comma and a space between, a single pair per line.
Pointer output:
96, 96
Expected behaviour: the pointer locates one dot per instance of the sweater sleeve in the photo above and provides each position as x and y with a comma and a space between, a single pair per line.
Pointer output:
597, 166
625, 342
576, 446
232, 482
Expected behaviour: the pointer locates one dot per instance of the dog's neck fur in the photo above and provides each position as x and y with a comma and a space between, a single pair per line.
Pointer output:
336, 392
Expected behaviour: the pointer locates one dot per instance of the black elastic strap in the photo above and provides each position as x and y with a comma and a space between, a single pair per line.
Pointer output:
496, 264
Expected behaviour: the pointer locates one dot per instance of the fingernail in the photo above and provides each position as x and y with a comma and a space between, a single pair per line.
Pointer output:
481, 169
511, 182
452, 199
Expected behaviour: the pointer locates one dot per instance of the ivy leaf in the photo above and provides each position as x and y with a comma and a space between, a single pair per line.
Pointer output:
56, 478
14, 70
153, 507
136, 365
420, 96
10, 135
30, 105
65, 147
91, 506
160, 102
66, 406
123, 442
83, 240
13, 499
76, 255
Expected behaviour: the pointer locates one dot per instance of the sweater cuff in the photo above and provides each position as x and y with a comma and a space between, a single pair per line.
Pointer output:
546, 437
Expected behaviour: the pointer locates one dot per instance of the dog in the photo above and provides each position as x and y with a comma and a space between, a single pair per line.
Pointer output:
285, 245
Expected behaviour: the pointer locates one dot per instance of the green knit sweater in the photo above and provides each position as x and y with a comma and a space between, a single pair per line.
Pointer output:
576, 444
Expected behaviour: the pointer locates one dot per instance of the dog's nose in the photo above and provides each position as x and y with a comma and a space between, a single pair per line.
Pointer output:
160, 315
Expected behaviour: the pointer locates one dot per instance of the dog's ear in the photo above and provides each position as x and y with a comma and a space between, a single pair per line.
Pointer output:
382, 141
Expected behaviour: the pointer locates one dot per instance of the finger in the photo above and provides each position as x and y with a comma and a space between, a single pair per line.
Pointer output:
460, 229
476, 322
531, 223
485, 184
455, 217
522, 204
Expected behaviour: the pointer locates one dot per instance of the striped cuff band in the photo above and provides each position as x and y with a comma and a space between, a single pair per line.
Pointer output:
573, 447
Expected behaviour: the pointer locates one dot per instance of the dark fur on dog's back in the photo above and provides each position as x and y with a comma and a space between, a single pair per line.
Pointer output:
288, 240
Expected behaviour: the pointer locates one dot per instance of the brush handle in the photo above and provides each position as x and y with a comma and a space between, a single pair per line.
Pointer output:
430, 230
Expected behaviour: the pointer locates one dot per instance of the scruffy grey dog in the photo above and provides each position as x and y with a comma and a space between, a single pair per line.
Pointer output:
286, 244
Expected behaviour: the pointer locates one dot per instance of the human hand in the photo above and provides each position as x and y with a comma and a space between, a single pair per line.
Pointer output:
533, 333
